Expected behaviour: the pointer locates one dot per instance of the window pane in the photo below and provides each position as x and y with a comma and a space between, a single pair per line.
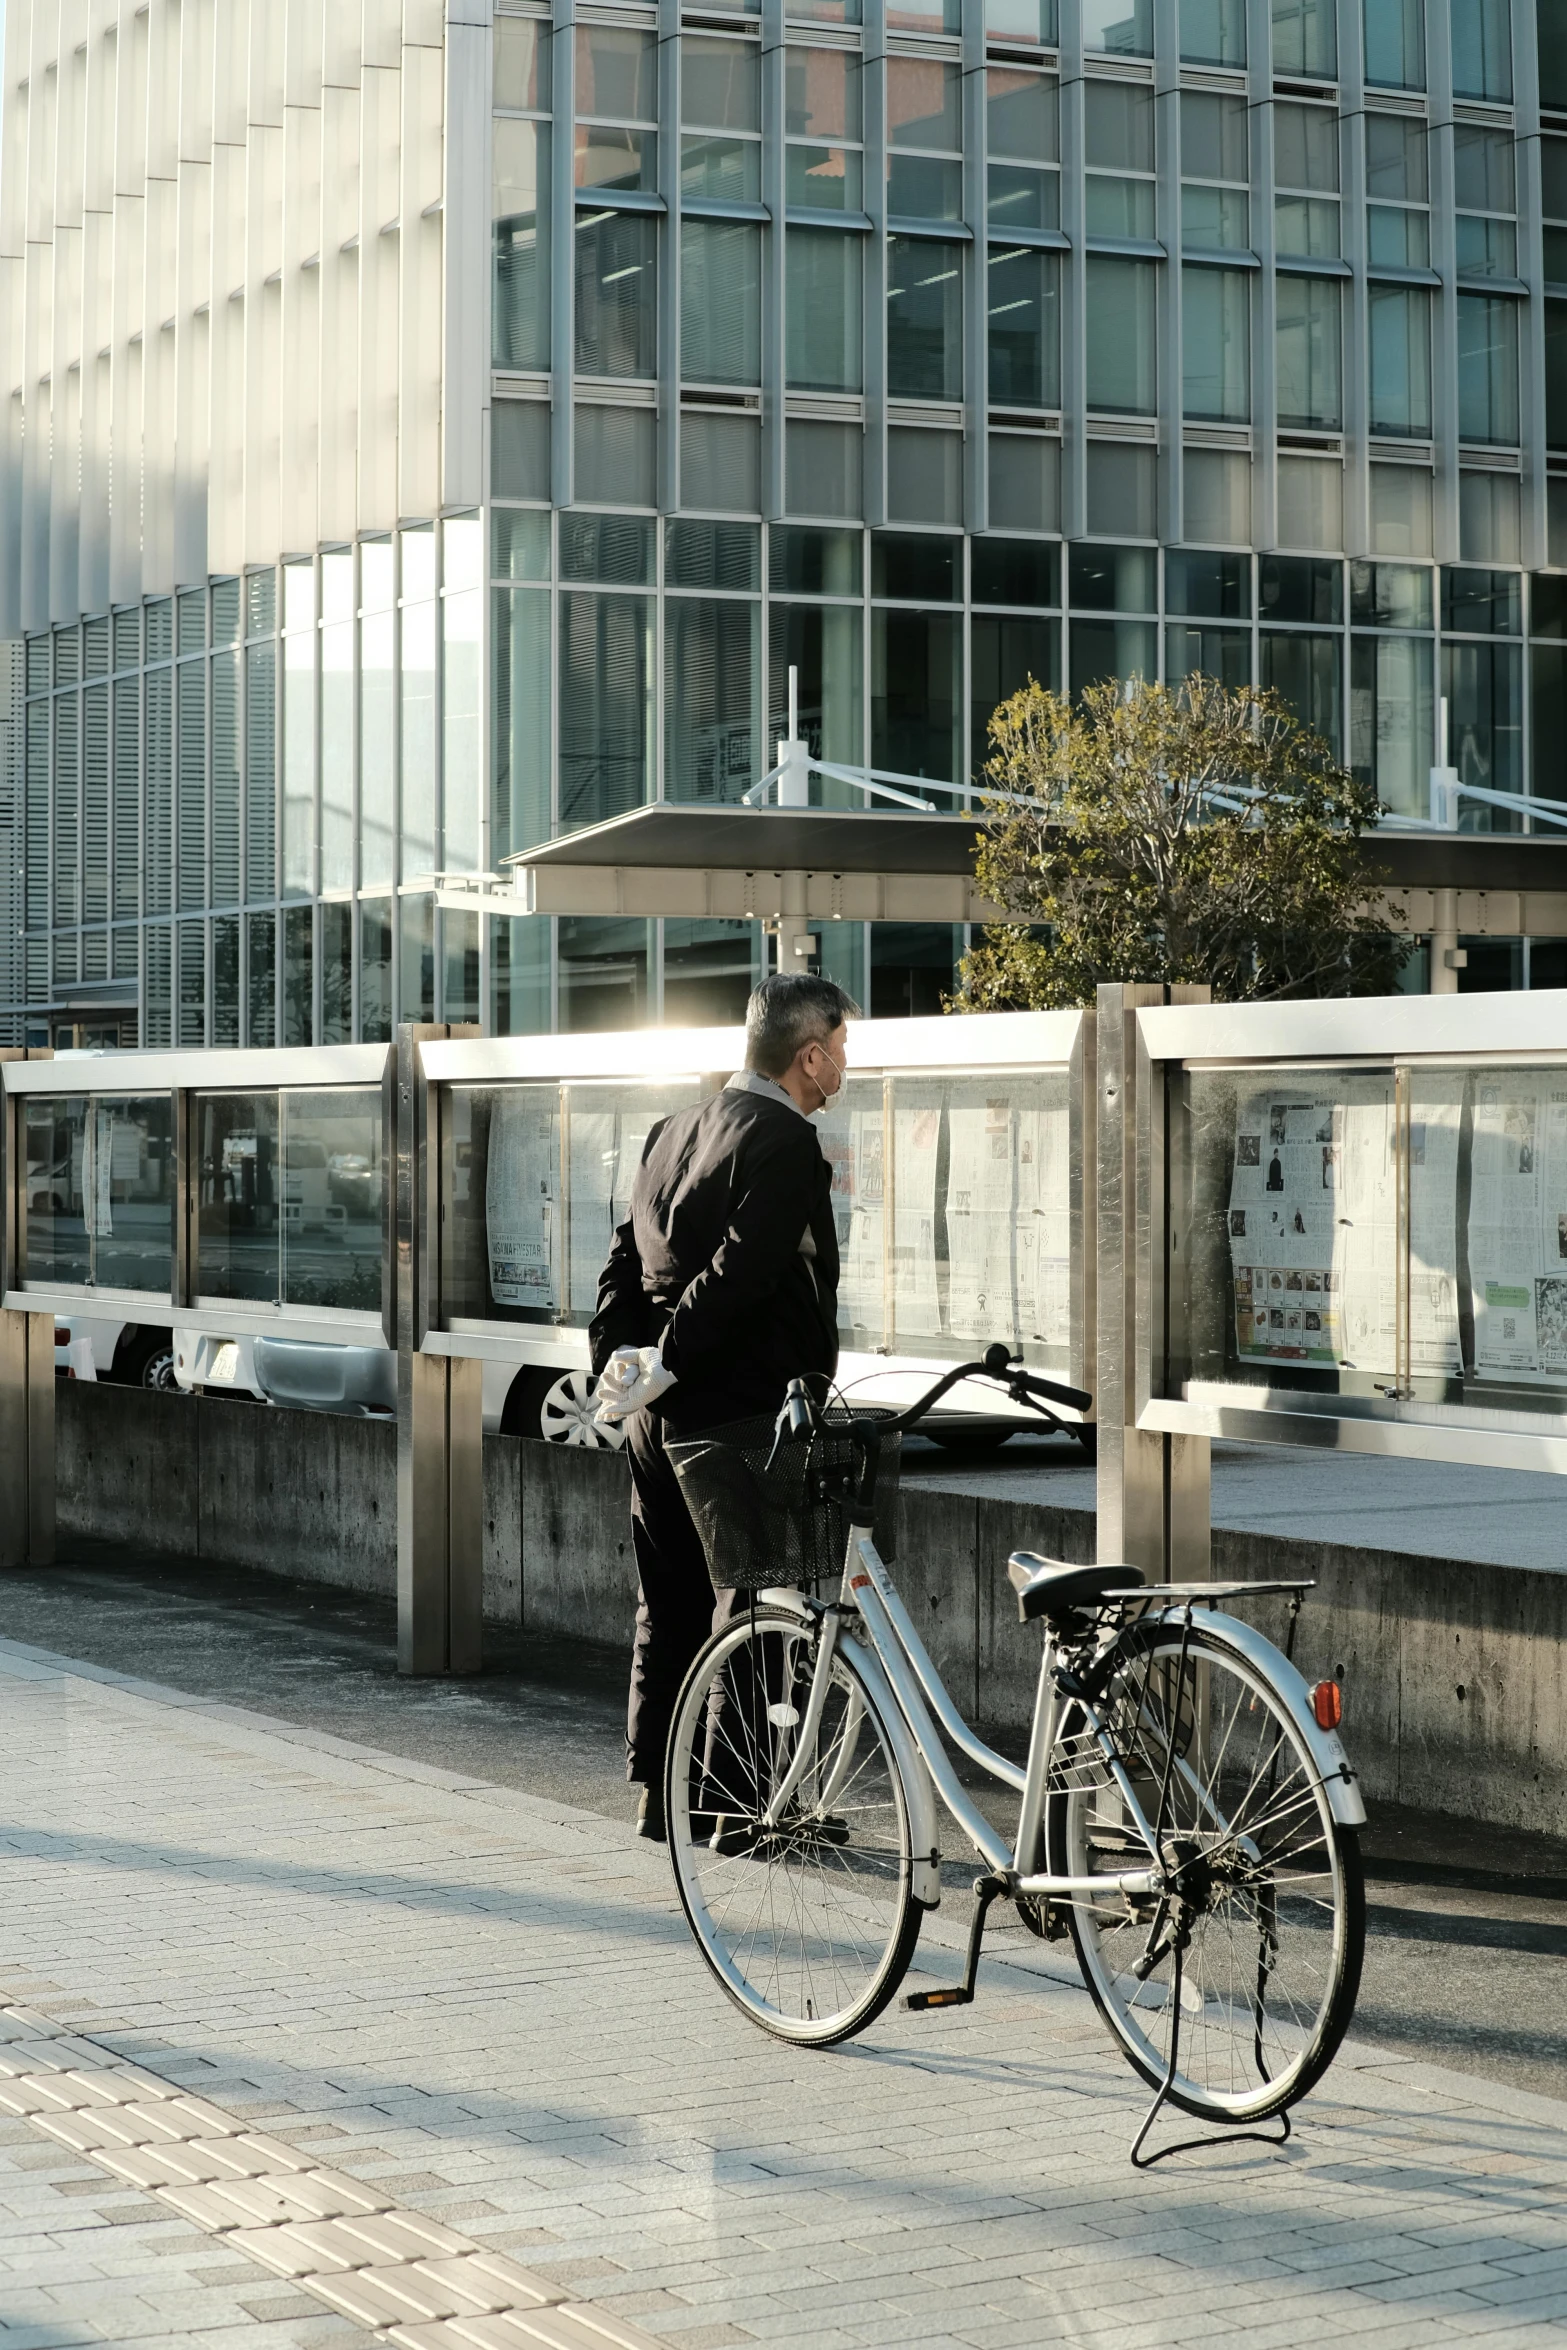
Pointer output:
1305, 148
1021, 112
376, 749
1021, 20
617, 294
1213, 32
1484, 178
375, 971
712, 653
1304, 672
924, 319
821, 94
1122, 491
924, 187
728, 170
1308, 356
191, 692
924, 104
1004, 654
522, 244
607, 156
1400, 333
1215, 141
720, 84
1216, 343
720, 302
522, 51
827, 179
1118, 207
1396, 160
299, 759
1391, 736
521, 689
1395, 44
924, 476
1222, 653
1483, 49
1113, 650
616, 455
823, 307
917, 693
1215, 220
261, 996
1025, 335
1305, 38
721, 463
822, 643
462, 620
260, 774
1486, 248
617, 74
237, 1220
824, 467
1306, 227
1484, 689
713, 554
1017, 198
1123, 27
1487, 368
1118, 119
1397, 237
1121, 371
605, 706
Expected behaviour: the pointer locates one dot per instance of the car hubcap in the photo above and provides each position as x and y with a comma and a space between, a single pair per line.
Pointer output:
566, 1414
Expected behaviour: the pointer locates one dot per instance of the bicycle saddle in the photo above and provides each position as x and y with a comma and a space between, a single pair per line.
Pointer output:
1050, 1588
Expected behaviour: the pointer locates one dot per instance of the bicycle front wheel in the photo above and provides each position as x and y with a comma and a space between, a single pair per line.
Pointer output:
1263, 1905
809, 1924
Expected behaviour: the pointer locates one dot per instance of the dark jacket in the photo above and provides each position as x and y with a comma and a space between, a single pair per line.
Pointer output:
709, 1264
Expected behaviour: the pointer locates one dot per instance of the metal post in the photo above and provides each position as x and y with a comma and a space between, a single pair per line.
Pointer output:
440, 1505
1154, 1490
26, 1367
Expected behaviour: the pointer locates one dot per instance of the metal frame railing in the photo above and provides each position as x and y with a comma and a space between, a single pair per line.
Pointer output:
1151, 1181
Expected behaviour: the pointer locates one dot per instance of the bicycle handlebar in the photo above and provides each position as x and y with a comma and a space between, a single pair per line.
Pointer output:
1023, 1386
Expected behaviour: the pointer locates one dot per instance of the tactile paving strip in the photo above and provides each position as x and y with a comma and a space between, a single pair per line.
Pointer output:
411, 2280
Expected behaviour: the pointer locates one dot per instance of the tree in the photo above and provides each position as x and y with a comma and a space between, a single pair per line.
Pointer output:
1195, 832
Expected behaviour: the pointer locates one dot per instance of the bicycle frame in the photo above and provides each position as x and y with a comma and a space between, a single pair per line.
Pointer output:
869, 1597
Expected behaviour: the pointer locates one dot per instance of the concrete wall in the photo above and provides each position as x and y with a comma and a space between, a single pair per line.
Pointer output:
1453, 1685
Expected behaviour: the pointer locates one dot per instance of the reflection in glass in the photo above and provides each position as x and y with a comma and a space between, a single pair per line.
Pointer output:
711, 659
508, 1155
55, 1142
333, 1223
917, 693
236, 1182
1391, 738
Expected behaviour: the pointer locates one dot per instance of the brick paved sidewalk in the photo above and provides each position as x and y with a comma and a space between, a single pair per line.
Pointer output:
485, 2007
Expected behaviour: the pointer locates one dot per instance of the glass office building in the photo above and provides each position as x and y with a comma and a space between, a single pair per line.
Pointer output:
446, 428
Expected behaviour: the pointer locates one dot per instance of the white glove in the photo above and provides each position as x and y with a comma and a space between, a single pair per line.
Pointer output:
633, 1377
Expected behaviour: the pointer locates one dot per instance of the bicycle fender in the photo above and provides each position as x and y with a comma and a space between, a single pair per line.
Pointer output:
919, 1794
1325, 1747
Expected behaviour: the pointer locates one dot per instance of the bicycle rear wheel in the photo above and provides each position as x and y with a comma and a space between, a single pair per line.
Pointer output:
810, 1925
1264, 1897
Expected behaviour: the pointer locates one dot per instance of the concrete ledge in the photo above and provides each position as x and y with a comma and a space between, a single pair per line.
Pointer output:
1452, 1674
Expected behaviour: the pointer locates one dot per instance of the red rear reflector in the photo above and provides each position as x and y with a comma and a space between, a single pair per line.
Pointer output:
1327, 1703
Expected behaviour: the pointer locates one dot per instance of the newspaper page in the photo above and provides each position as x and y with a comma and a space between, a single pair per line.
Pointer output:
916, 1130
609, 1130
852, 1139
1044, 1227
1518, 1226
982, 1219
522, 1197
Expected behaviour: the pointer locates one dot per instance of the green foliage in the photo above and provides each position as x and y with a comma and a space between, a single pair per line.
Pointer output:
1194, 833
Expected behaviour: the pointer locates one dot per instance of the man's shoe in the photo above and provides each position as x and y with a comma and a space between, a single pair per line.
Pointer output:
650, 1815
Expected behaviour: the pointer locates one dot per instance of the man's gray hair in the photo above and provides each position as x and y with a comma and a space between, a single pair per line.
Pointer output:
788, 1010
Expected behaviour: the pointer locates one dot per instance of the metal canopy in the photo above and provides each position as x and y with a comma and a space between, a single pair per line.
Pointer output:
798, 865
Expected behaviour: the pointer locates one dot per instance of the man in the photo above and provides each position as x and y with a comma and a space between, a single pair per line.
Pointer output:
721, 1287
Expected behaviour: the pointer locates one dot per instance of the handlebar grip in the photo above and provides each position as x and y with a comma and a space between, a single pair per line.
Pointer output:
1073, 1397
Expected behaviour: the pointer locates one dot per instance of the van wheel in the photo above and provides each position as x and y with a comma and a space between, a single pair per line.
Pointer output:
145, 1358
556, 1407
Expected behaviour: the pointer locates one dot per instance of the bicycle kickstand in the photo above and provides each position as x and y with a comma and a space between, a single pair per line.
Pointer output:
1142, 2161
986, 1890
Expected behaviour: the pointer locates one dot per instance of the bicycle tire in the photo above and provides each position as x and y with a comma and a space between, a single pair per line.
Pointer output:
1271, 1972
810, 1928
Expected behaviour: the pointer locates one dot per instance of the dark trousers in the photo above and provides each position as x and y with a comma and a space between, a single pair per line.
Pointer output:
677, 1608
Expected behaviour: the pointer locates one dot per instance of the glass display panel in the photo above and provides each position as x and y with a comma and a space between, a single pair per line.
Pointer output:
978, 1245
100, 1193
333, 1199
534, 1180
1511, 1244
237, 1207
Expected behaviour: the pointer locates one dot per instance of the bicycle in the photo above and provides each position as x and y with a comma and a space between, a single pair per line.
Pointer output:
1186, 1813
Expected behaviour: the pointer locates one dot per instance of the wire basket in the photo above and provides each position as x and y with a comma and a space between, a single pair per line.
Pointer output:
777, 1514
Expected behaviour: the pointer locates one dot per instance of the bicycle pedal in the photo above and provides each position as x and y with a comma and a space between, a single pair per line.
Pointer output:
947, 1995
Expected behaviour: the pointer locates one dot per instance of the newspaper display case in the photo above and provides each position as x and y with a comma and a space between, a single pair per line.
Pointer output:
957, 1158
1366, 1225
241, 1189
